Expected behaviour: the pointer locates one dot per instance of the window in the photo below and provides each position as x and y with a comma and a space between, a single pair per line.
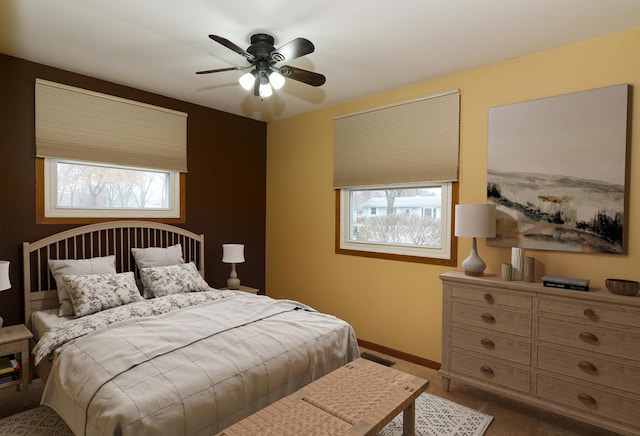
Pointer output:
395, 174
101, 157
84, 189
401, 227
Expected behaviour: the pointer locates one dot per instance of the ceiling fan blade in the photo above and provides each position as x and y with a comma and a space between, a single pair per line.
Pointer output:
293, 49
219, 70
304, 76
230, 45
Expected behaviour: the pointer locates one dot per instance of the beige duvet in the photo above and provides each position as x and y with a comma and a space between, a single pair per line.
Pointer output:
194, 371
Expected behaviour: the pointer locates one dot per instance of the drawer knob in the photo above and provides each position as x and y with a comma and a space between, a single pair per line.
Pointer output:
591, 314
488, 318
489, 298
487, 371
588, 367
589, 338
488, 344
587, 400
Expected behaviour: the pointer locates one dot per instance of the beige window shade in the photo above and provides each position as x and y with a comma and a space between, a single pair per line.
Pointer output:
74, 123
411, 142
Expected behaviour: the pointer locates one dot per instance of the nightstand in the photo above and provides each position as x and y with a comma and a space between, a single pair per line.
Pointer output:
13, 340
247, 289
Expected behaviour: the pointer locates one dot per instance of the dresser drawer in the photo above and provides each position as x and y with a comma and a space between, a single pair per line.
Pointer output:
591, 338
493, 371
495, 346
590, 400
594, 312
591, 368
492, 297
491, 318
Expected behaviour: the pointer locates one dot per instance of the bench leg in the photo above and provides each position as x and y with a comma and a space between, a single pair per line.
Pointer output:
409, 420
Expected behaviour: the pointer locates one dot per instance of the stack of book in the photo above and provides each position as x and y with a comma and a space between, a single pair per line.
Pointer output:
9, 369
566, 283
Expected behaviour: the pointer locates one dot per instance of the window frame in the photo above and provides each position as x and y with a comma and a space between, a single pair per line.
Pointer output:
381, 251
42, 179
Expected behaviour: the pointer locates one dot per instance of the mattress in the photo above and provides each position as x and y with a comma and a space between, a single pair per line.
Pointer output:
43, 320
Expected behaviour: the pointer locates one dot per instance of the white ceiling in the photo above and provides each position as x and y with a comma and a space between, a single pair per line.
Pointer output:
363, 47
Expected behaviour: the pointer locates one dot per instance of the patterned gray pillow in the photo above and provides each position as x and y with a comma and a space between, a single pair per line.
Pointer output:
95, 292
75, 267
152, 257
173, 279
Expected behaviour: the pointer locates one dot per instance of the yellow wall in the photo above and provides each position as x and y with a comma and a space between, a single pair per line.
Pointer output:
398, 304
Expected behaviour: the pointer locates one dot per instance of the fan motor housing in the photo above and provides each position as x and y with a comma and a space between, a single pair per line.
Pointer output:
261, 45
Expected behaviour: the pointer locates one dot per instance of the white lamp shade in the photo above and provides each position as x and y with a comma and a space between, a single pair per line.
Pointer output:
233, 253
265, 89
475, 220
247, 80
4, 275
276, 79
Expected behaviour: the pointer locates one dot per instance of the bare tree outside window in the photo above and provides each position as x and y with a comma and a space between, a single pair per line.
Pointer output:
93, 186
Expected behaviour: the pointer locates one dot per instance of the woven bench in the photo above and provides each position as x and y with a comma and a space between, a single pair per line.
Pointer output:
359, 398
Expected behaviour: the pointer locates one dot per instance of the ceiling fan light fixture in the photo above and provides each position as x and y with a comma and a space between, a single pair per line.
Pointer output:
262, 56
276, 79
247, 80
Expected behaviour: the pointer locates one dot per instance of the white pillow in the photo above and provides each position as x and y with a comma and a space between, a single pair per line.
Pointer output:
156, 256
173, 279
95, 292
60, 268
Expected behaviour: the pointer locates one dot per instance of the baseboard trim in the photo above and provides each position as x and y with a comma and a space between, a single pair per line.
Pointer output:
399, 354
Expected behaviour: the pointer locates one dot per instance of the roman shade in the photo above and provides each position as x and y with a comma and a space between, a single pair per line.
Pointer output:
77, 124
411, 142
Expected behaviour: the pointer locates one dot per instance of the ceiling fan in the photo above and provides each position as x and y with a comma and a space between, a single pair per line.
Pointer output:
262, 57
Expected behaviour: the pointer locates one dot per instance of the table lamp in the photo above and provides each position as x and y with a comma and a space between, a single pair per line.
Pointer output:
233, 253
4, 279
475, 221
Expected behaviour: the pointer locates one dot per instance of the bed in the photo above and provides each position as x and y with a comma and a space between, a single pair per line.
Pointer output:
183, 359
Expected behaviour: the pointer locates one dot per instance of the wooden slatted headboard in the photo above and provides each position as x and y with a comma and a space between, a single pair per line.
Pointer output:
94, 240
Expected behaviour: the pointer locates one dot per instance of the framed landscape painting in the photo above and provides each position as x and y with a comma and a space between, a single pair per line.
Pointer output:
556, 171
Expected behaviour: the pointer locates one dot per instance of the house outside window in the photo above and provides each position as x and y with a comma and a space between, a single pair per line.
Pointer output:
415, 205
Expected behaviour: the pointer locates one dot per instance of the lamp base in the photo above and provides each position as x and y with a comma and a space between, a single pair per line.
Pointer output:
233, 282
473, 265
474, 273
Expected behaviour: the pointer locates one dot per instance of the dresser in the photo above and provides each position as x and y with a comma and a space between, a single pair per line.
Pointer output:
571, 352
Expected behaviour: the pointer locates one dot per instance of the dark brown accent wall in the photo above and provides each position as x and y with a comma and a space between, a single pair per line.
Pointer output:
225, 183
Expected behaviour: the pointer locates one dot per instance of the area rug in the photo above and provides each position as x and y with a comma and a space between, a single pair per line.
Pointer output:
436, 416
41, 421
